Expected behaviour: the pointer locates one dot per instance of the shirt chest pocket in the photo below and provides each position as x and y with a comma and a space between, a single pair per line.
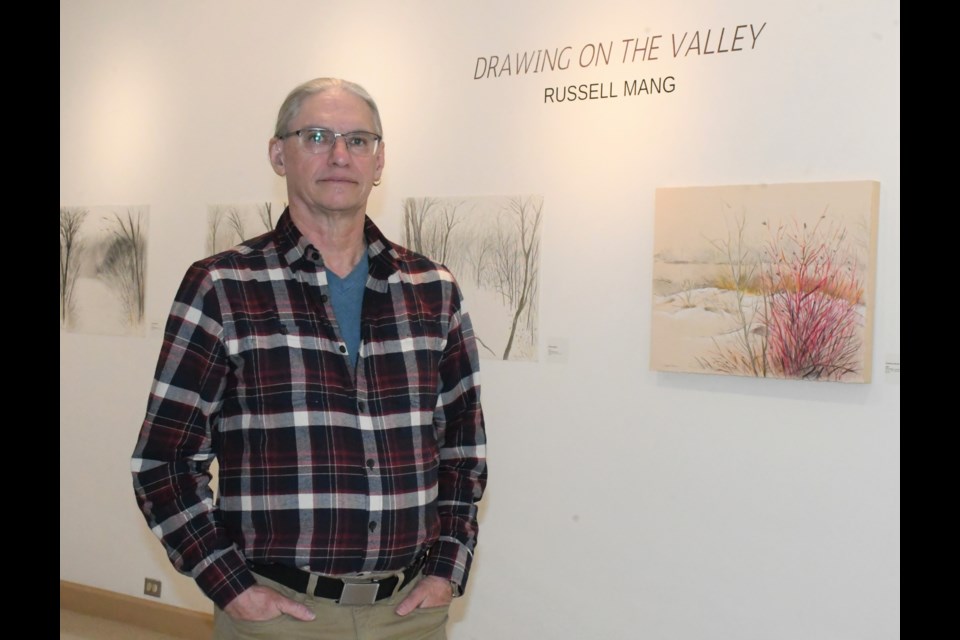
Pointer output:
286, 364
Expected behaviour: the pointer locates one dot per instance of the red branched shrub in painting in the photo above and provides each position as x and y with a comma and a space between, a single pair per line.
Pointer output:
812, 292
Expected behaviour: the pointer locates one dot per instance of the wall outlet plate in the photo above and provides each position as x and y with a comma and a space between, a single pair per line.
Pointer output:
151, 587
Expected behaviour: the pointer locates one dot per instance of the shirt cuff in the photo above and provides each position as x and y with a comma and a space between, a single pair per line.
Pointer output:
225, 578
450, 560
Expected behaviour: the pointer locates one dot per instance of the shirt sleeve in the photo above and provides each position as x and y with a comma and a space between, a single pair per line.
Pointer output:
463, 469
172, 458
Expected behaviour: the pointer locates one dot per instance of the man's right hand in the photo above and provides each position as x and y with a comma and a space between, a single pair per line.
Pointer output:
259, 603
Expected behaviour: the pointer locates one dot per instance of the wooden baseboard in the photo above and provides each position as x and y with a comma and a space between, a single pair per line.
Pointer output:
162, 618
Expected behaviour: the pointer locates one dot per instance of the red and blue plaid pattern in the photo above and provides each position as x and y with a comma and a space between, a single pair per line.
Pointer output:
320, 466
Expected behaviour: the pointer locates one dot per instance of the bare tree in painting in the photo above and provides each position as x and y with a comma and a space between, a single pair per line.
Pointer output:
229, 225
71, 249
266, 215
442, 231
214, 222
429, 224
415, 220
123, 266
741, 265
500, 244
236, 223
516, 259
477, 253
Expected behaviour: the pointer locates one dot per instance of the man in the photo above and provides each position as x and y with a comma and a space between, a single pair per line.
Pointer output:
334, 377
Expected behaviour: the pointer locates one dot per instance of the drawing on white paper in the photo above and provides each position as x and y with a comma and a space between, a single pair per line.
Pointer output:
103, 269
230, 224
492, 246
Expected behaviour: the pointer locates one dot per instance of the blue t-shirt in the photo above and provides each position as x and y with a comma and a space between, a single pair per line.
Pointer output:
346, 296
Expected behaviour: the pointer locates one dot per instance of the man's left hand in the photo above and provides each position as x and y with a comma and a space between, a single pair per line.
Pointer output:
431, 591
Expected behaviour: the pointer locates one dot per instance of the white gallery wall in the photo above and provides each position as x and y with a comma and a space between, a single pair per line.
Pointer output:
622, 503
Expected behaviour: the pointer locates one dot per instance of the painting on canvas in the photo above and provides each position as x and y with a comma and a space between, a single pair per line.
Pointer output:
769, 281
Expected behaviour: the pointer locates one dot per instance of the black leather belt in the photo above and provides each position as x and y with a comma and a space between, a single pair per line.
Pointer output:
352, 593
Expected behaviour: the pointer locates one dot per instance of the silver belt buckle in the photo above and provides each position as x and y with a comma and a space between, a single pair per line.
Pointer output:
359, 593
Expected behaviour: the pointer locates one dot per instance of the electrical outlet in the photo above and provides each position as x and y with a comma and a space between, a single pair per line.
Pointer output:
151, 587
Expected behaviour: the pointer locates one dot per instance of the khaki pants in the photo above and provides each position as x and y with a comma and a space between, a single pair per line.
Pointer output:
335, 622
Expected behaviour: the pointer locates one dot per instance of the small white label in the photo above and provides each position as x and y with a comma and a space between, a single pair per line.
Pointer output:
892, 368
557, 349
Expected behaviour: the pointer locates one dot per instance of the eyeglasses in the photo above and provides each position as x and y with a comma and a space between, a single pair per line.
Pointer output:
317, 141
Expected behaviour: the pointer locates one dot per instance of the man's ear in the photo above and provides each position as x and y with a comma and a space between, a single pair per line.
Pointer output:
380, 161
275, 152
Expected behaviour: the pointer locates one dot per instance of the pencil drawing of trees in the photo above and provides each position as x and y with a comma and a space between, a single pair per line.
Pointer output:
429, 225
215, 219
231, 224
492, 245
477, 254
516, 260
265, 212
71, 251
236, 224
415, 216
124, 263
440, 238
103, 265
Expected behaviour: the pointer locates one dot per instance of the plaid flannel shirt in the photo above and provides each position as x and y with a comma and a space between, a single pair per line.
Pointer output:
321, 467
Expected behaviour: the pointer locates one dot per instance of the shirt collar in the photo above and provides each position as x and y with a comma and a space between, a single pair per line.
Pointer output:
294, 246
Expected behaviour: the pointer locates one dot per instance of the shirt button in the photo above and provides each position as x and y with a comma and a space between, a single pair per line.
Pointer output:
323, 298
343, 349
361, 406
371, 464
373, 526
283, 330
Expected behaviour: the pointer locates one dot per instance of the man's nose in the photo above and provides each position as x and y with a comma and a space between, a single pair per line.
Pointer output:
339, 154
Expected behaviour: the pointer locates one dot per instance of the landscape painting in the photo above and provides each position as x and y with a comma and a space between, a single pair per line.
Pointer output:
103, 269
492, 246
767, 281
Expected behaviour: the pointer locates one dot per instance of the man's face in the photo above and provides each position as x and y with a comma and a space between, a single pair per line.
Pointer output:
335, 182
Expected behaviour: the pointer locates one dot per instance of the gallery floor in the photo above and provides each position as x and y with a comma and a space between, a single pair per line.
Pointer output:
78, 626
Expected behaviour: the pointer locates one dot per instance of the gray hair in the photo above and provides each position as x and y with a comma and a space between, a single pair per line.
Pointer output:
291, 106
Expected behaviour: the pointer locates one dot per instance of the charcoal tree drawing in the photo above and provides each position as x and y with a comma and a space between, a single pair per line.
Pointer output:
71, 249
769, 281
103, 265
230, 224
492, 245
